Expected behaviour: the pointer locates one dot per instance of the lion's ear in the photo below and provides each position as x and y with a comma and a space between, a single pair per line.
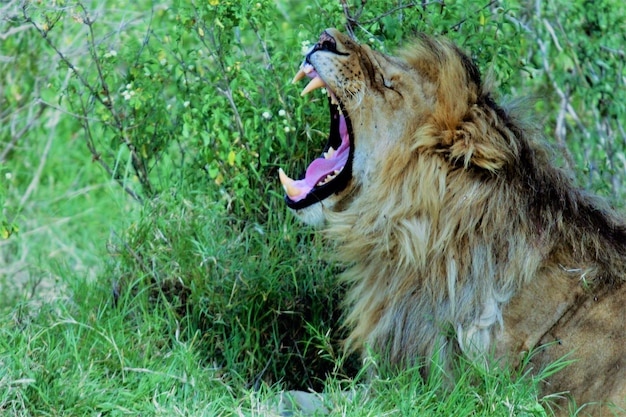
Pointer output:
476, 142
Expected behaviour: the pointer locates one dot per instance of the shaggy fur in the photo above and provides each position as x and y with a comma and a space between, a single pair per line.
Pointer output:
458, 232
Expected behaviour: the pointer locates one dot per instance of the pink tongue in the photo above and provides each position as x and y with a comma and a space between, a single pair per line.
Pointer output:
322, 167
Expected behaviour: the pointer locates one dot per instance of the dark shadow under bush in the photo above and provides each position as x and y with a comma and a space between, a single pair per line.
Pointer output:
268, 306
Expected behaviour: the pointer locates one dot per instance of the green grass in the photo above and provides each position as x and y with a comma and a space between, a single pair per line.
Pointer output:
93, 360
211, 319
66, 211
88, 357
208, 298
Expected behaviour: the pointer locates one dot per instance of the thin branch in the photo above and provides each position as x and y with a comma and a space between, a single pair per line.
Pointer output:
13, 31
138, 163
351, 21
96, 157
215, 51
456, 26
42, 162
137, 258
277, 79
69, 113
104, 99
423, 5
17, 136
44, 35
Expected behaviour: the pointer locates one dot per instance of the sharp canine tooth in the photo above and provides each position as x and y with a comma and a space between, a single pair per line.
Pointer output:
315, 83
300, 75
287, 184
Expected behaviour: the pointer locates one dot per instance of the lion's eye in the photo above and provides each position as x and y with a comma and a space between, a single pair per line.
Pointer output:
388, 82
391, 83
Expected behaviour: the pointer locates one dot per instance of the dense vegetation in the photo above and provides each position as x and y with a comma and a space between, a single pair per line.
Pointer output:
147, 262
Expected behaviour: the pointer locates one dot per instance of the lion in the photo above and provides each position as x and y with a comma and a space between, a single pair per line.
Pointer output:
459, 233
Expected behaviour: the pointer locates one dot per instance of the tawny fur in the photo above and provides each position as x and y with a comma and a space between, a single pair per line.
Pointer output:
458, 232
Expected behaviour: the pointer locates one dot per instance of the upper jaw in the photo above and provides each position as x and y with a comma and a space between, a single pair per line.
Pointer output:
330, 173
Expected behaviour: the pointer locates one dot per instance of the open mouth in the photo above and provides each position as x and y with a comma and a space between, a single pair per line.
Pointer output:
331, 172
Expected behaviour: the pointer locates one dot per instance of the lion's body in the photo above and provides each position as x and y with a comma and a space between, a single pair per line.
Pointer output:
459, 234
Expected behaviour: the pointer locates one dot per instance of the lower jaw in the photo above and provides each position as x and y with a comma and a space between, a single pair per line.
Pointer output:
321, 193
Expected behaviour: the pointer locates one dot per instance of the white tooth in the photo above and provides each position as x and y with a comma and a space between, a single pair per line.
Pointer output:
328, 178
329, 153
315, 83
325, 180
287, 184
300, 75
333, 100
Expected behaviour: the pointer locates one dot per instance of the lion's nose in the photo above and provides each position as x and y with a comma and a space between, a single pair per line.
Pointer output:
325, 43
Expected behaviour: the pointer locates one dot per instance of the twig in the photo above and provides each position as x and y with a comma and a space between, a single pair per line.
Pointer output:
565, 104
67, 112
422, 4
137, 258
215, 51
268, 57
17, 136
104, 99
42, 162
13, 31
138, 163
550, 30
89, 141
351, 21
44, 35
456, 26
561, 130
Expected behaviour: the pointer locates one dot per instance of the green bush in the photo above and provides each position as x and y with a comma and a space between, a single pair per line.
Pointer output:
577, 61
264, 307
200, 94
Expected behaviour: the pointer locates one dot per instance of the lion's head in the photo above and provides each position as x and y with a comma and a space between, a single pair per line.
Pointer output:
378, 105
